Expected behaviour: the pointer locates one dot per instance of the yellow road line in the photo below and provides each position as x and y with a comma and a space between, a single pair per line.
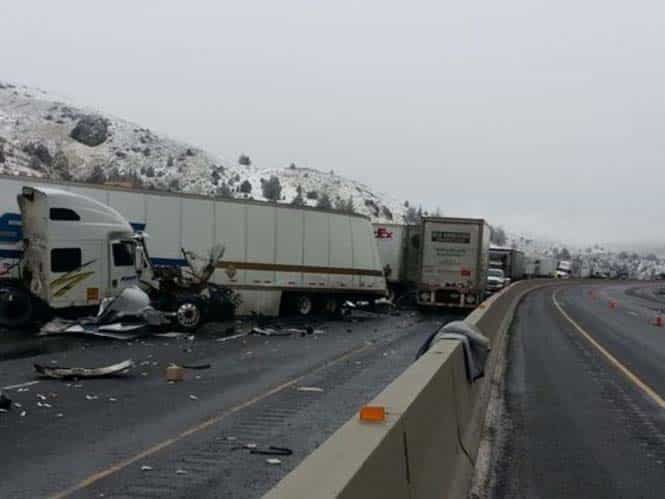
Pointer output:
201, 426
650, 392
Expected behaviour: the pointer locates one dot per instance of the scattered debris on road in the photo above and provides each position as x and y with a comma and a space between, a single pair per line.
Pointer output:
272, 451
174, 373
146, 468
196, 366
309, 389
268, 331
85, 372
273, 460
5, 402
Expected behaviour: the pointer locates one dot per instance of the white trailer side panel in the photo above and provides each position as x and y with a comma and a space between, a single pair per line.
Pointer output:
230, 229
261, 244
289, 247
363, 256
130, 205
317, 248
341, 251
198, 226
163, 225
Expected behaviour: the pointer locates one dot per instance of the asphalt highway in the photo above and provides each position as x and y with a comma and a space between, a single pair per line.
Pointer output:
139, 436
584, 399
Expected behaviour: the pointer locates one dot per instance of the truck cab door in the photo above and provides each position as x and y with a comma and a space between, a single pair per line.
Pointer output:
122, 265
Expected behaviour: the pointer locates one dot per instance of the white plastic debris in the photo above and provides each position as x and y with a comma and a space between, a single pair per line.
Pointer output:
91, 397
180, 472
23, 413
273, 460
41, 397
59, 415
146, 468
309, 389
113, 399
193, 397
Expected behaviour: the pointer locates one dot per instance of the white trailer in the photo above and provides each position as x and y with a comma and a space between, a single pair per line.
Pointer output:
276, 255
546, 266
454, 262
398, 255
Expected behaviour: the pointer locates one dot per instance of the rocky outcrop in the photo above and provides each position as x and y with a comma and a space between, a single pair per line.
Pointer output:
91, 130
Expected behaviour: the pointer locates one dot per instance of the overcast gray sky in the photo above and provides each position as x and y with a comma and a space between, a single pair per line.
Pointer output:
544, 116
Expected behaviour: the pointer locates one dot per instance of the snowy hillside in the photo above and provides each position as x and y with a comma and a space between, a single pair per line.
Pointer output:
44, 137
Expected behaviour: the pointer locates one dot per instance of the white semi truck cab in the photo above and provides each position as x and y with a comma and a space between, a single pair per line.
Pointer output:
76, 251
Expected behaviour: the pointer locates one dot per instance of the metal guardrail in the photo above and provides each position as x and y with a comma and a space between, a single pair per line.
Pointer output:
428, 444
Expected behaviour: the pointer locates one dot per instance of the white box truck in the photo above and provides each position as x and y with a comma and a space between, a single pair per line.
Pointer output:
276, 255
510, 260
454, 262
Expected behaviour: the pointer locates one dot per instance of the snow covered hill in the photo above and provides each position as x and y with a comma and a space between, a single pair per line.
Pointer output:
44, 137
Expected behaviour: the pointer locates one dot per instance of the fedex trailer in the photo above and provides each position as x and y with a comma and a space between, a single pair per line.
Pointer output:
399, 253
277, 256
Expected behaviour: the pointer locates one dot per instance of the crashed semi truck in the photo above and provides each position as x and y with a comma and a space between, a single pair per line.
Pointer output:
276, 256
399, 255
443, 261
453, 262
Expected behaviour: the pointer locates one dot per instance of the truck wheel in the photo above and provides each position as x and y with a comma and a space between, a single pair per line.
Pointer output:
15, 308
304, 305
188, 315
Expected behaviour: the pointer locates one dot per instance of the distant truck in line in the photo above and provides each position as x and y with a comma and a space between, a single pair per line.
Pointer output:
541, 266
510, 260
443, 260
277, 256
564, 269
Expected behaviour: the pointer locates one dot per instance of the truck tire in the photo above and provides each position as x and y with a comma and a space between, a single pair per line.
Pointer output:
304, 305
189, 314
16, 308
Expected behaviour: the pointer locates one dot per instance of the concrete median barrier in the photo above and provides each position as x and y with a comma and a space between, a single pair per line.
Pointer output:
427, 446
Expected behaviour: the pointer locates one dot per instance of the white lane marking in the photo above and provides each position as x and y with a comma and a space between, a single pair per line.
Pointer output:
20, 385
650, 392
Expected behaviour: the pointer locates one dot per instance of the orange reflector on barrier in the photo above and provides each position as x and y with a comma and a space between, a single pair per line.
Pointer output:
373, 413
